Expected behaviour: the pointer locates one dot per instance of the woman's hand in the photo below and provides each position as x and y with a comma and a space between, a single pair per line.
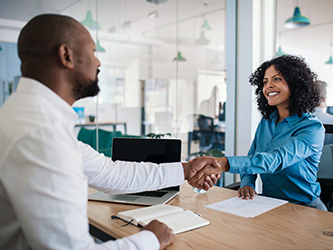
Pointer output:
246, 192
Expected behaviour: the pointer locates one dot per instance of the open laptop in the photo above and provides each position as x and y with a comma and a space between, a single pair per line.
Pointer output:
146, 150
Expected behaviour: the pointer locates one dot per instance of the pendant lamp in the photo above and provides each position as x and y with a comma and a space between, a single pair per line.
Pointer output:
202, 40
179, 57
205, 25
99, 48
297, 20
280, 52
89, 22
330, 60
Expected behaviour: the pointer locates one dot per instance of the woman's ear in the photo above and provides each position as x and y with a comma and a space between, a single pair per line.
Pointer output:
65, 55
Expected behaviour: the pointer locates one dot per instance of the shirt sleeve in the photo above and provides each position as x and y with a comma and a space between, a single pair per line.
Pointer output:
127, 177
304, 143
249, 179
50, 195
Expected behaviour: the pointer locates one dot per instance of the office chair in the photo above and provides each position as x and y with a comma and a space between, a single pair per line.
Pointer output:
328, 134
204, 133
105, 138
88, 136
325, 171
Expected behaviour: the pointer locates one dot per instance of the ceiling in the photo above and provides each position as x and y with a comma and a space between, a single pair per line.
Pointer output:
112, 14
318, 35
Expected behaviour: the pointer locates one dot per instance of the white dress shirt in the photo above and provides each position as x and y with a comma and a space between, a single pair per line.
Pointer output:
44, 173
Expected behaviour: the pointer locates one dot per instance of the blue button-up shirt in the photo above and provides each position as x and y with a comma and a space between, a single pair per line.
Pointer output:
286, 155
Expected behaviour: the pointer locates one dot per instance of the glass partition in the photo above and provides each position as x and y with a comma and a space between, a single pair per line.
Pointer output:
163, 62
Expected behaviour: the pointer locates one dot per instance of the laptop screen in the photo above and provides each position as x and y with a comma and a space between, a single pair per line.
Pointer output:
146, 150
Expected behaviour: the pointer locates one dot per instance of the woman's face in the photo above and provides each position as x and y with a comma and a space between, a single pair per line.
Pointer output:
276, 89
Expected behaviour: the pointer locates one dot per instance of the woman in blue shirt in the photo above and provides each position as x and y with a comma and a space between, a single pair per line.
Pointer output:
288, 142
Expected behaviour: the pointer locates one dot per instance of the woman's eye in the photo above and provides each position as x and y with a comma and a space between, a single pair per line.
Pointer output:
264, 82
277, 79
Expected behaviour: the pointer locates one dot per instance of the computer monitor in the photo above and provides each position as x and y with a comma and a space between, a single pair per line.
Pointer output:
329, 110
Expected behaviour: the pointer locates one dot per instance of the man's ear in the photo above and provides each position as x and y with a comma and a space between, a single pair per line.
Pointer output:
65, 55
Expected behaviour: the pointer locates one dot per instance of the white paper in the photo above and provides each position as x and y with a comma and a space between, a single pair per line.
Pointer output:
247, 208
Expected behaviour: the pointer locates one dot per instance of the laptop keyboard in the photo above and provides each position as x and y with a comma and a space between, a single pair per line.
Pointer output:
151, 194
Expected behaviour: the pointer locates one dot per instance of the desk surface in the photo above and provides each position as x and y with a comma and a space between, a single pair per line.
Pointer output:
286, 227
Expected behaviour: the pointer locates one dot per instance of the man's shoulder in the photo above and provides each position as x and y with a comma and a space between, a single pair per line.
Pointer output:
324, 117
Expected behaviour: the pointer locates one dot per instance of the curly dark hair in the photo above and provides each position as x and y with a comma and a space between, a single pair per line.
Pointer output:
304, 92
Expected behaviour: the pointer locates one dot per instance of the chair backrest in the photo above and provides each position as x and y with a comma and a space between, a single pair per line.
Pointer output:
326, 163
88, 136
328, 134
205, 123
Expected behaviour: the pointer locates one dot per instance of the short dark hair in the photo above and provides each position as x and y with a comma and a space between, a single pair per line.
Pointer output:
42, 35
304, 93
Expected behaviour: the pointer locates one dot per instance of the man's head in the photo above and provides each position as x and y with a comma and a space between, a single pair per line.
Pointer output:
322, 86
59, 52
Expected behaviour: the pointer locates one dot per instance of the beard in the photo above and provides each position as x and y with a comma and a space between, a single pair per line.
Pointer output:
85, 87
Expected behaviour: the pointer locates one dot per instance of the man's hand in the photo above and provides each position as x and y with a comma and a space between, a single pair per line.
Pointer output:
209, 175
246, 192
162, 232
194, 166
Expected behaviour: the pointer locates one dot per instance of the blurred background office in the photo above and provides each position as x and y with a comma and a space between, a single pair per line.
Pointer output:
165, 62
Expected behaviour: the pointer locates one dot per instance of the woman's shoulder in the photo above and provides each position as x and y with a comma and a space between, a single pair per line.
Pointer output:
310, 121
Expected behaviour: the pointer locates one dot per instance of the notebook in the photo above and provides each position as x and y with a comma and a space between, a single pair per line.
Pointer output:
176, 218
146, 150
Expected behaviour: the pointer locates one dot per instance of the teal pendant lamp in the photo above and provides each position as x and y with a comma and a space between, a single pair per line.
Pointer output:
99, 48
89, 22
205, 25
297, 20
179, 57
330, 60
280, 52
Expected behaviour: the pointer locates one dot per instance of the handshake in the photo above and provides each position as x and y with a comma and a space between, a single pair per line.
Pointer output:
205, 171
201, 173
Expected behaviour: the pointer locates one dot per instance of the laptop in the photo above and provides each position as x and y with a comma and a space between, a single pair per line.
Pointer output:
146, 150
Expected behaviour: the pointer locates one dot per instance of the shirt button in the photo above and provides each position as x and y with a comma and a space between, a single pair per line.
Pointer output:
273, 139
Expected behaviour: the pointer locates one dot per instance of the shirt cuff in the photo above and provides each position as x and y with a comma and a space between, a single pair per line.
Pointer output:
146, 240
240, 164
174, 172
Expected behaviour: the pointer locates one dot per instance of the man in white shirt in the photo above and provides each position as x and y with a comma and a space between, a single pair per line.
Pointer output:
44, 170
324, 117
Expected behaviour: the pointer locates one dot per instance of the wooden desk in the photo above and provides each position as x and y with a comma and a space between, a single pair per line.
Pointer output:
287, 227
103, 124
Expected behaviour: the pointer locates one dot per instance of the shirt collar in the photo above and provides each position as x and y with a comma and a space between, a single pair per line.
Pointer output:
33, 87
292, 119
